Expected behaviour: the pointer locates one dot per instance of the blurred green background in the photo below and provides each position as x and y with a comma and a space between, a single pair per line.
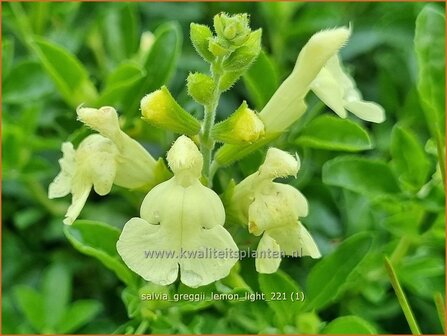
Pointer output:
58, 55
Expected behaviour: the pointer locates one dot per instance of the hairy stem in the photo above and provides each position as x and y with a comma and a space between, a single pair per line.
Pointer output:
206, 141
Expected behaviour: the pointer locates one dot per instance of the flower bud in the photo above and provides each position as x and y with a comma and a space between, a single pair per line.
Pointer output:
243, 126
200, 36
216, 48
201, 87
243, 57
232, 30
161, 110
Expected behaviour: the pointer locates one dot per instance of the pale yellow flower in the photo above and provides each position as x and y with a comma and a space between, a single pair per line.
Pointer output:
273, 210
181, 225
101, 160
92, 164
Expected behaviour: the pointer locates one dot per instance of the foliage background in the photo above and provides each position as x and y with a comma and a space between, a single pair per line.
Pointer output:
45, 280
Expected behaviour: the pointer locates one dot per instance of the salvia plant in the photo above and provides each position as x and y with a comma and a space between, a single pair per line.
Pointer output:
236, 183
181, 231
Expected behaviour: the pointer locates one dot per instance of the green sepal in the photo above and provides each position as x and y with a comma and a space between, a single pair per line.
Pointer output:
243, 57
200, 36
160, 109
201, 87
242, 127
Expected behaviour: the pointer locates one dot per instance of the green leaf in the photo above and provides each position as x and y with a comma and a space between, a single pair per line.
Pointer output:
7, 57
120, 27
364, 176
160, 62
261, 80
31, 303
57, 293
79, 313
336, 134
67, 72
99, 241
349, 325
119, 83
327, 277
430, 50
26, 82
422, 275
409, 159
278, 283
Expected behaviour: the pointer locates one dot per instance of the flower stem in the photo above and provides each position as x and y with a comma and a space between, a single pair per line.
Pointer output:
206, 141
402, 298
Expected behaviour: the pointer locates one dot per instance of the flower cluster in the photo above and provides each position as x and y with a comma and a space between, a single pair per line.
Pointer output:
181, 212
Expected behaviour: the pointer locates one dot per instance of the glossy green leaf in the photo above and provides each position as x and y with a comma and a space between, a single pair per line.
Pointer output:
67, 72
365, 176
327, 277
349, 325
31, 302
119, 83
409, 159
79, 313
336, 134
26, 82
160, 62
259, 89
273, 286
56, 293
99, 241
430, 50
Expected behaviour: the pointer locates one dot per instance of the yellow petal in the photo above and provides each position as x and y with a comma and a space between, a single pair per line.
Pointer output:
145, 249
307, 244
330, 92
268, 255
61, 185
277, 205
368, 111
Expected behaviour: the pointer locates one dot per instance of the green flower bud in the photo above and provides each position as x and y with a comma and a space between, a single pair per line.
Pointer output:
216, 48
232, 30
161, 110
200, 35
243, 57
243, 126
200, 87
